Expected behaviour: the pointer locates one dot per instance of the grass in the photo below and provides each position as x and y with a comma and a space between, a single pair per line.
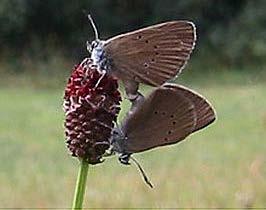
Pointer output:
221, 166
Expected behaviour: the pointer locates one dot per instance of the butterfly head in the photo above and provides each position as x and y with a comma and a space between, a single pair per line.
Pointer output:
98, 55
117, 143
94, 45
97, 44
96, 49
118, 146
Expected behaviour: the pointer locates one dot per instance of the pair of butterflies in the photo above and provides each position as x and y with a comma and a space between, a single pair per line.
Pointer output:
152, 56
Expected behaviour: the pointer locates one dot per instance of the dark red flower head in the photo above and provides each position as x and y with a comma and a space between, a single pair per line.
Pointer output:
91, 105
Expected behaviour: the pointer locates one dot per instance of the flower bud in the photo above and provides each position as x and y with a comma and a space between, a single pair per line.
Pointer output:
91, 105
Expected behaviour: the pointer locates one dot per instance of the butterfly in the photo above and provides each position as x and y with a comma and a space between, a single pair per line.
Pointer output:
168, 115
151, 55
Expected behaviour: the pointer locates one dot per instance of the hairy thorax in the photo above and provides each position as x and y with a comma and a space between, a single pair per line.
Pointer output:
100, 57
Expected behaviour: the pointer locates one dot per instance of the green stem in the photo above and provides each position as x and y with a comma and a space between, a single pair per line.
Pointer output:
80, 185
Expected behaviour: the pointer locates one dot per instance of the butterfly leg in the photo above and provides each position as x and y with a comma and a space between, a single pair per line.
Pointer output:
133, 95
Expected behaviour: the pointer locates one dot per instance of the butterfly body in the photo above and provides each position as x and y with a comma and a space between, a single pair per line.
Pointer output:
118, 140
167, 116
151, 55
99, 57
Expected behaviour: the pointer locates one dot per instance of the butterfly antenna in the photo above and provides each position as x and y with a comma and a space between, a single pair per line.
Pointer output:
145, 177
94, 27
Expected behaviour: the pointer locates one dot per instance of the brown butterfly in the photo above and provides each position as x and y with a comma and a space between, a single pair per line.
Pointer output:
166, 116
151, 55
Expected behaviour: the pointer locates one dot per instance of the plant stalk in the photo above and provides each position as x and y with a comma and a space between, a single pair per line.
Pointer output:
80, 185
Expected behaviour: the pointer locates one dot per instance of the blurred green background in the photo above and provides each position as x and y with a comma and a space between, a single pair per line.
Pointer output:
223, 166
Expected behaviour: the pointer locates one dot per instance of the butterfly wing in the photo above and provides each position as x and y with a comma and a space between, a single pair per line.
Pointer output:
154, 54
204, 110
165, 117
